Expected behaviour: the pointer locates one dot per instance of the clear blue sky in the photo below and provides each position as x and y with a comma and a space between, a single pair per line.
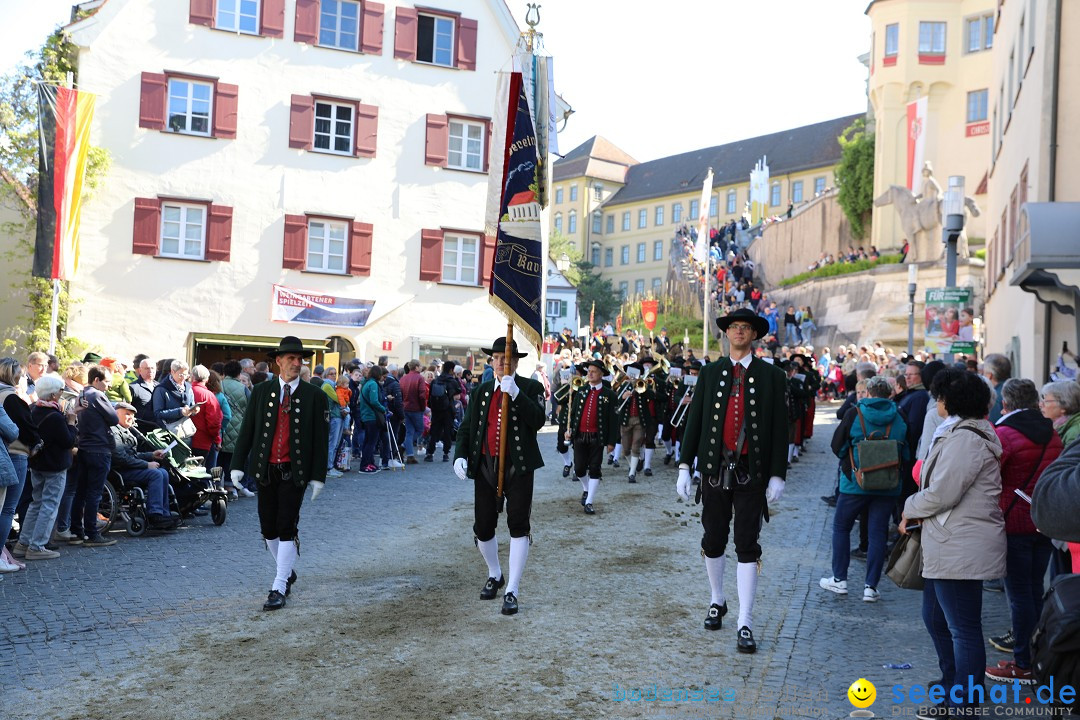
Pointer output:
654, 78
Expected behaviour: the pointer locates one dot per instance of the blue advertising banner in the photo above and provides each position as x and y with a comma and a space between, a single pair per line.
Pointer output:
312, 308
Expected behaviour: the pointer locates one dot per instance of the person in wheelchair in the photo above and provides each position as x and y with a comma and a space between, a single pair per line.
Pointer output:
142, 468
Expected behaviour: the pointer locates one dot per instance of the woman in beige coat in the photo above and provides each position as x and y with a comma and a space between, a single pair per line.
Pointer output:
963, 531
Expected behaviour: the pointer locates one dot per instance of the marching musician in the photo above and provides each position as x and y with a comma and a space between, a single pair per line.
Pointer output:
561, 398
477, 454
635, 416
593, 426
736, 429
657, 380
667, 412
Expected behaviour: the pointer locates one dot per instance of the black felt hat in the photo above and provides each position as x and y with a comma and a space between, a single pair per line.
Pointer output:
593, 363
499, 346
291, 344
760, 324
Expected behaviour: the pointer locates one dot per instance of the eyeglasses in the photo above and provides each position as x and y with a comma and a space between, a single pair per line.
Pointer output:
1048, 400
740, 326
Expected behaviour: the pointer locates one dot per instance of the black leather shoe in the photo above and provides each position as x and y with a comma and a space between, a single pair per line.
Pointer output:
589, 509
715, 619
274, 601
667, 458
491, 588
614, 463
566, 470
632, 477
745, 643
610, 459
583, 496
509, 606
289, 583
640, 465
648, 472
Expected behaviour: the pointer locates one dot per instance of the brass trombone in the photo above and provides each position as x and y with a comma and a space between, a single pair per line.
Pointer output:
680, 411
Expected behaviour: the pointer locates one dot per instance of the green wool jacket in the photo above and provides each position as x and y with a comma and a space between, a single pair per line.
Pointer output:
766, 420
236, 394
608, 418
644, 413
527, 417
308, 438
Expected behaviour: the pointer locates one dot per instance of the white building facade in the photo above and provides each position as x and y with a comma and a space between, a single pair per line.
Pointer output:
333, 147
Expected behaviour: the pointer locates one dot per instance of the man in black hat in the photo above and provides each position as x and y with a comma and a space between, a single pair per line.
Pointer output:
285, 437
593, 426
736, 431
476, 455
635, 416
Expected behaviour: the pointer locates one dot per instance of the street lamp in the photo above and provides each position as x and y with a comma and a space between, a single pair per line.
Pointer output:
912, 277
952, 208
563, 263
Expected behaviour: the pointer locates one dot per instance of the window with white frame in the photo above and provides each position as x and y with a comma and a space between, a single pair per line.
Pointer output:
573, 193
714, 206
676, 213
980, 33
819, 186
596, 257
658, 250
597, 222
459, 259
571, 222
624, 255
466, 145
774, 194
639, 287
642, 218
558, 221
326, 245
892, 40
730, 202
932, 38
435, 40
796, 191
339, 23
190, 104
977, 105
610, 224
598, 192
558, 196
694, 206
641, 252
183, 231
659, 215
626, 220
556, 308
334, 127
238, 16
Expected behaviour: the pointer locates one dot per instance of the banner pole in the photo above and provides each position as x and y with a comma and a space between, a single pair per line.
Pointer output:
504, 411
54, 315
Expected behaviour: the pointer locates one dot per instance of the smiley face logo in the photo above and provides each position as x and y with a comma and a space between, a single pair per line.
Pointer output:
862, 693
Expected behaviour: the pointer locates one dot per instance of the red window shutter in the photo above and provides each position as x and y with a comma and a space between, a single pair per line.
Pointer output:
201, 12
307, 22
360, 249
466, 44
487, 259
144, 238
438, 140
431, 242
152, 101
371, 32
219, 236
301, 121
273, 18
294, 253
225, 108
487, 144
405, 25
367, 129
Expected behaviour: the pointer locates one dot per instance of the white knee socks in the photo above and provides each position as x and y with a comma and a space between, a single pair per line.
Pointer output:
519, 553
490, 550
715, 567
584, 484
566, 459
593, 484
648, 458
617, 452
746, 574
286, 557
632, 471
272, 546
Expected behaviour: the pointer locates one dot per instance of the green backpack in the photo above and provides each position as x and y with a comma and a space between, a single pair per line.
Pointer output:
879, 459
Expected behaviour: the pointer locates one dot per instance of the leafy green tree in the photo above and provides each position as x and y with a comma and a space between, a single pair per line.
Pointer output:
855, 176
559, 244
593, 288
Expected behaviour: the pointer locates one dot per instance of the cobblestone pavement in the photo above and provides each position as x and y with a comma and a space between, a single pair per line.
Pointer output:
631, 615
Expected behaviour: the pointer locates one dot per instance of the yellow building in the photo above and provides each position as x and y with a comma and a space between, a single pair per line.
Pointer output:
940, 50
1033, 208
631, 220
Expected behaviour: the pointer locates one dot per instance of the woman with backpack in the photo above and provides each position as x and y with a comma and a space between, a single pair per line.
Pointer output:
873, 421
963, 529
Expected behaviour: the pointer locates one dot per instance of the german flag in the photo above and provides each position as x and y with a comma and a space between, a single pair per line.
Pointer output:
64, 118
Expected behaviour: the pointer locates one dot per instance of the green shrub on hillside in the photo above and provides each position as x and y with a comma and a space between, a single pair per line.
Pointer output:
841, 269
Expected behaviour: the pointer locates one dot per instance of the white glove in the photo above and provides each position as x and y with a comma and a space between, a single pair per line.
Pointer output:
683, 485
775, 491
461, 468
509, 386
316, 488
237, 477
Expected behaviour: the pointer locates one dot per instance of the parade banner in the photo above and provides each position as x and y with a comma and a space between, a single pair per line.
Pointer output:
649, 310
314, 308
916, 141
701, 247
517, 274
64, 117
949, 320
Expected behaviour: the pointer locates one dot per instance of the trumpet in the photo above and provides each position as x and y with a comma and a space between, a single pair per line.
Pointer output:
681, 409
640, 386
577, 382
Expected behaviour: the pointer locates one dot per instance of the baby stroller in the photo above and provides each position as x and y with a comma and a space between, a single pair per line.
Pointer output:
190, 484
